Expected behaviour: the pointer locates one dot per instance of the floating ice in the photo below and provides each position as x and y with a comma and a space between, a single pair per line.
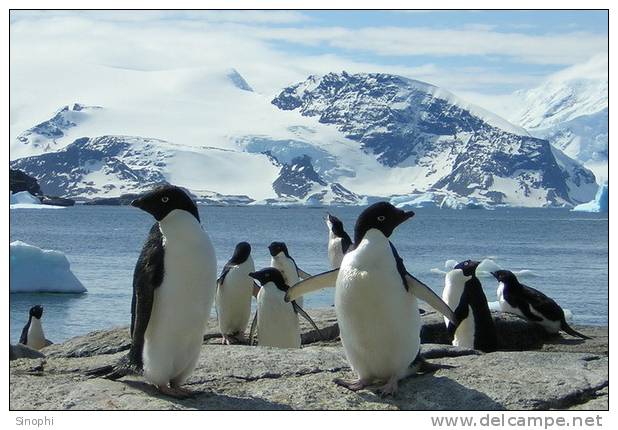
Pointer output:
600, 202
34, 269
25, 200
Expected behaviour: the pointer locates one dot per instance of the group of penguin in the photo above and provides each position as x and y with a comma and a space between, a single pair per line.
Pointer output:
175, 284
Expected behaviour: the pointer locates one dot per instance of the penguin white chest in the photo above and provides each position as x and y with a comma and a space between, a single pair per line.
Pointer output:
277, 322
288, 269
36, 337
504, 305
233, 298
454, 287
378, 319
335, 251
182, 303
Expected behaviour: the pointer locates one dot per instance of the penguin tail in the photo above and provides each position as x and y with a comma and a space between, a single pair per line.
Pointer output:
114, 371
567, 329
422, 366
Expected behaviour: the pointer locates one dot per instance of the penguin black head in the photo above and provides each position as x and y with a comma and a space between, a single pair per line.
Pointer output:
468, 267
241, 253
335, 225
382, 216
162, 200
276, 247
270, 274
36, 311
506, 276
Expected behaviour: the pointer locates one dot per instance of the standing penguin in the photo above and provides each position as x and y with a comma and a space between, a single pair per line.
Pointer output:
32, 334
531, 304
174, 286
339, 241
283, 261
376, 303
234, 292
277, 320
463, 293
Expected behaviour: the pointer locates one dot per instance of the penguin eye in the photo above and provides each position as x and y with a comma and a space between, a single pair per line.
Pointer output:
165, 199
381, 218
466, 263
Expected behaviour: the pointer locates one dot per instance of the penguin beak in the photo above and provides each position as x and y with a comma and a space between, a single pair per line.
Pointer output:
256, 276
495, 274
138, 203
409, 214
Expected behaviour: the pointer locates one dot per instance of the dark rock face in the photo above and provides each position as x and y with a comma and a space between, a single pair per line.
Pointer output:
65, 172
123, 200
20, 181
405, 121
54, 128
57, 201
298, 179
22, 351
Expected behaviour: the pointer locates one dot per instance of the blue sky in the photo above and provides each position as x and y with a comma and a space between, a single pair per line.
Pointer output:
479, 55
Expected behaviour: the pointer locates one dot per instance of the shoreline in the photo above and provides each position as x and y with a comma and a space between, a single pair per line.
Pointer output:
532, 372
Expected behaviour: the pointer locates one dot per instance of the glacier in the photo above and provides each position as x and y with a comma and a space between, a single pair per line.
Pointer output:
36, 270
600, 202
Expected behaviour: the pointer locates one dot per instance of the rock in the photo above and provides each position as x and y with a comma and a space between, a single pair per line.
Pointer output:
124, 199
57, 201
23, 351
560, 375
21, 181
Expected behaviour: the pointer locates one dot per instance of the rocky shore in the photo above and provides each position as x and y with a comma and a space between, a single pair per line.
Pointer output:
531, 372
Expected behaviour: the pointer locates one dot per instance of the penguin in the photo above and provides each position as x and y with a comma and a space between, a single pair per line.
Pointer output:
277, 320
283, 261
174, 285
339, 241
234, 292
32, 334
463, 293
531, 304
376, 303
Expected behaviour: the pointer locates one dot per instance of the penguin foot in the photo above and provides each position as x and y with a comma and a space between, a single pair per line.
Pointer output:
354, 385
390, 388
176, 392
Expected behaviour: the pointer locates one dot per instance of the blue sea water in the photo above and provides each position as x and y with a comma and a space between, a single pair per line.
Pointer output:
566, 252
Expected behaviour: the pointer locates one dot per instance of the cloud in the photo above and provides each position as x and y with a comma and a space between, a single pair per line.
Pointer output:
49, 49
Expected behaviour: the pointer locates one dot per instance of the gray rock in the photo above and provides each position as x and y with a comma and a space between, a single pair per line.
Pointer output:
261, 378
22, 351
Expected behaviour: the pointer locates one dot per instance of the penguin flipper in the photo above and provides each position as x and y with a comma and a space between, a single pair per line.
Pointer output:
422, 291
567, 329
252, 329
306, 316
313, 283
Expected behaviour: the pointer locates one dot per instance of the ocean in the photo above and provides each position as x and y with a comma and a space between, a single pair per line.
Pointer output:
564, 254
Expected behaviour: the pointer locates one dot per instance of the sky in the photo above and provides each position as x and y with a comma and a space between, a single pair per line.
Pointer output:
482, 56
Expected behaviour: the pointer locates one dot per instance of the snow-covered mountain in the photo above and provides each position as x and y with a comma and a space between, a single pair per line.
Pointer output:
570, 109
336, 139
447, 144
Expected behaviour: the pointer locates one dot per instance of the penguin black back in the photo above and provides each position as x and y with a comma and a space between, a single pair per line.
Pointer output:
241, 253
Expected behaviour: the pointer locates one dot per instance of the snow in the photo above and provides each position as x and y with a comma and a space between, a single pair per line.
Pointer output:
25, 200
600, 202
34, 269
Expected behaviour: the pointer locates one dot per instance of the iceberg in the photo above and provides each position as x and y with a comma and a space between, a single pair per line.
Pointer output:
25, 200
600, 202
425, 200
36, 270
